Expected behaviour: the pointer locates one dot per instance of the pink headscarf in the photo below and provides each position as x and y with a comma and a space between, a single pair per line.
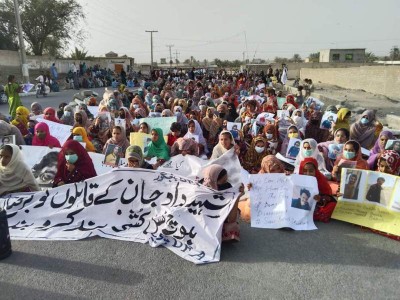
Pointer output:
49, 140
211, 174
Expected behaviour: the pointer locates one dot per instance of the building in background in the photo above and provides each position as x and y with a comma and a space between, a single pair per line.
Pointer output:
342, 55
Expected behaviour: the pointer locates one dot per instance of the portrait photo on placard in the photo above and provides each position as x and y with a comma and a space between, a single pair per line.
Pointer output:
7, 139
302, 198
380, 188
328, 119
352, 184
45, 170
393, 145
113, 155
396, 197
293, 148
334, 150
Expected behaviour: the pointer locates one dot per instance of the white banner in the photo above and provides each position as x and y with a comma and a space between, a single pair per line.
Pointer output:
127, 204
60, 131
280, 201
192, 166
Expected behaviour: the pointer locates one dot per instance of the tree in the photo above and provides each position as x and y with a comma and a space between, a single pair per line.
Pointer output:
8, 32
395, 53
314, 57
187, 61
282, 60
79, 54
47, 25
296, 58
370, 57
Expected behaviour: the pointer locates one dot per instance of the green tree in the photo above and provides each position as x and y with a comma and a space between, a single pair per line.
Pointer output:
395, 53
79, 54
296, 58
8, 32
314, 57
370, 57
47, 25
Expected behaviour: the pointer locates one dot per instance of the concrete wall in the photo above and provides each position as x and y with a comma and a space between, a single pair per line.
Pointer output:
384, 80
358, 55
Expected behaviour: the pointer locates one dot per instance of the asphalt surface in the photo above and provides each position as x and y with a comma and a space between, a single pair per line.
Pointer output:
337, 261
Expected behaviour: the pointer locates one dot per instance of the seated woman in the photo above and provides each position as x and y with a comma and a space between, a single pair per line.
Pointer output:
309, 148
379, 148
313, 129
331, 149
100, 132
299, 120
15, 175
21, 121
9, 129
216, 177
126, 115
50, 115
389, 162
226, 143
79, 134
185, 146
363, 131
194, 129
144, 128
118, 137
68, 116
81, 119
351, 157
255, 154
36, 109
271, 137
157, 147
74, 164
292, 132
343, 119
175, 133
134, 155
43, 137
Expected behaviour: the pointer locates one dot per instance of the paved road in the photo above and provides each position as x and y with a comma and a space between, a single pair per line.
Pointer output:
338, 261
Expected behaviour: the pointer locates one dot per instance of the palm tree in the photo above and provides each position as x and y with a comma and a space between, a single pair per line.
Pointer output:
79, 54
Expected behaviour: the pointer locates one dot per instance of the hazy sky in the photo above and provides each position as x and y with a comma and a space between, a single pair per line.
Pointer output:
208, 29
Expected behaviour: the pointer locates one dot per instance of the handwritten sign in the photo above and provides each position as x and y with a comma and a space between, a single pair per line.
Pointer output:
280, 201
370, 199
163, 123
60, 131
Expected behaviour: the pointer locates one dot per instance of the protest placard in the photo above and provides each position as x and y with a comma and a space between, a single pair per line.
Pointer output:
280, 201
142, 140
370, 199
94, 110
281, 101
328, 119
163, 123
60, 131
7, 139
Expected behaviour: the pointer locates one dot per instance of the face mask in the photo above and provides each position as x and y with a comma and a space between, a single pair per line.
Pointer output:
364, 121
67, 113
348, 155
71, 158
296, 119
259, 149
269, 136
293, 135
307, 153
78, 138
135, 106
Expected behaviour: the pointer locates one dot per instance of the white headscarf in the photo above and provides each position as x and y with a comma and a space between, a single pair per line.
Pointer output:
199, 132
315, 154
16, 175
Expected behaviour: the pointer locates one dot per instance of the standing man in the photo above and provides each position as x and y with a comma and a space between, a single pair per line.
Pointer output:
53, 72
76, 76
12, 89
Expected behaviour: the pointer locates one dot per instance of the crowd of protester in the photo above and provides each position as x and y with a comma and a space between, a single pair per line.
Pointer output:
204, 103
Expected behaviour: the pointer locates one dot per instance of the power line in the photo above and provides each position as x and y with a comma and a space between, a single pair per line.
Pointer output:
170, 53
151, 45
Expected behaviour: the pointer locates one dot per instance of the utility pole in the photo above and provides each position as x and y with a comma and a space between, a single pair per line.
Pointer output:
176, 54
151, 45
170, 56
25, 70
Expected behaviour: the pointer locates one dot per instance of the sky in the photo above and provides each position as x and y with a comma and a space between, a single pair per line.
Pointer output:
231, 29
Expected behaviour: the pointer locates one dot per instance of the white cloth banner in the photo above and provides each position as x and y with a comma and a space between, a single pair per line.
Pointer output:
60, 131
277, 201
127, 204
192, 166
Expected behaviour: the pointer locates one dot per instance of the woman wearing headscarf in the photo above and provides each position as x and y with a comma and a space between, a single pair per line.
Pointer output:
351, 157
74, 164
331, 149
36, 109
185, 146
158, 147
9, 129
83, 106
180, 117
68, 116
100, 132
118, 138
12, 90
389, 162
134, 156
272, 138
15, 175
210, 126
309, 148
363, 131
313, 129
81, 119
226, 142
126, 115
50, 115
299, 120
194, 129
167, 113
258, 149
232, 114
60, 111
79, 134
379, 148
43, 137
216, 177
21, 120
292, 132
343, 119
290, 101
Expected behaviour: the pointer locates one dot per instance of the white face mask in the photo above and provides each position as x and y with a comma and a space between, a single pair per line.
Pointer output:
296, 119
269, 136
259, 149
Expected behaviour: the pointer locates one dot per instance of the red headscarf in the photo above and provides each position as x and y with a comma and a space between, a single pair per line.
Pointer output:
83, 165
52, 115
290, 100
49, 140
323, 185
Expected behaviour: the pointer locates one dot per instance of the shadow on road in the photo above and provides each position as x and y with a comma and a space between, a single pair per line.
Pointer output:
78, 269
